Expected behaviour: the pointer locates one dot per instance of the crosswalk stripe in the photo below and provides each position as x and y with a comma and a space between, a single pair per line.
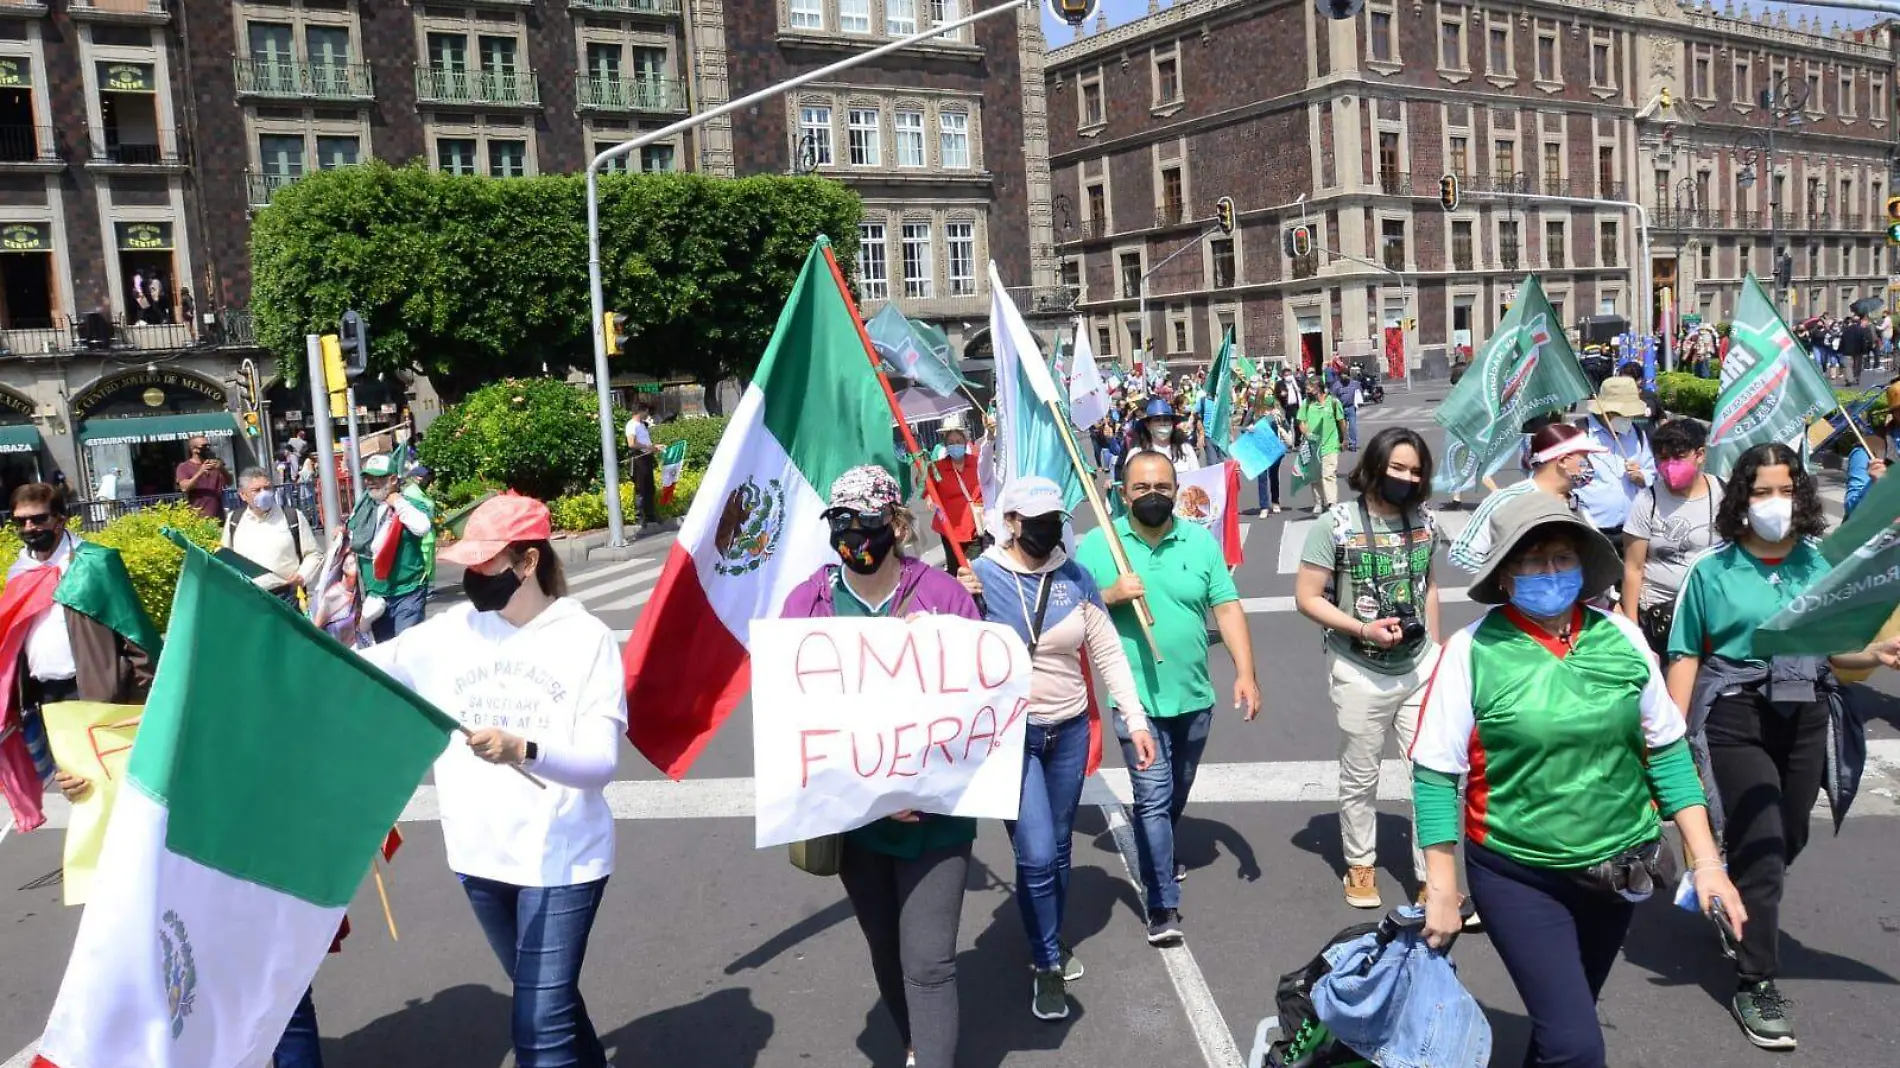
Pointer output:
590, 579
597, 593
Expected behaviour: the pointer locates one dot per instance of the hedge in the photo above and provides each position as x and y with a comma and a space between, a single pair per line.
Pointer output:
588, 511
538, 436
153, 561
701, 437
1685, 394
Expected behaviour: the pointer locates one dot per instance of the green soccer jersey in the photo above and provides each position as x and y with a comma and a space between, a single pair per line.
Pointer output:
1730, 591
1563, 745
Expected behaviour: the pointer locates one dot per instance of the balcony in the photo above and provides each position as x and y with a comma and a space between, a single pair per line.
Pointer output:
1395, 183
479, 88
1091, 229
260, 186
656, 8
1461, 258
145, 152
30, 148
1306, 266
1854, 220
632, 94
143, 12
1170, 214
296, 80
25, 9
39, 339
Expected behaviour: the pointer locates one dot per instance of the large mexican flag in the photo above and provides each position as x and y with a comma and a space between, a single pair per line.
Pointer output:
814, 409
241, 832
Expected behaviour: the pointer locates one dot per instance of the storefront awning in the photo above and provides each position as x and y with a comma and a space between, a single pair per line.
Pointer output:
24, 437
139, 430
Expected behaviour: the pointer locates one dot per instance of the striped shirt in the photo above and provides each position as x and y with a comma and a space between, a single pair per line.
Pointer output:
1474, 543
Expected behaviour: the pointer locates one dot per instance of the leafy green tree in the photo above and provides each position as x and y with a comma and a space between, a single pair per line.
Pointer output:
539, 436
469, 279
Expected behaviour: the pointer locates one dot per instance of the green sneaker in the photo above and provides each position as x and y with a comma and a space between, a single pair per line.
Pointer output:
1763, 1014
1051, 999
1071, 968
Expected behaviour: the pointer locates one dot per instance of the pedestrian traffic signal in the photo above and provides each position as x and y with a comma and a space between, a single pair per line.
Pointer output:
614, 326
250, 424
1448, 192
354, 339
1224, 214
1074, 12
1299, 241
247, 395
1893, 220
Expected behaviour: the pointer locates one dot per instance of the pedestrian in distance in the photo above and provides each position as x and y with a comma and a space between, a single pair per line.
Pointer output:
1322, 419
1542, 701
1625, 466
202, 478
275, 538
1560, 463
1161, 430
1366, 578
645, 457
1267, 483
904, 874
960, 489
1180, 571
1670, 524
387, 529
1765, 722
1050, 601
533, 859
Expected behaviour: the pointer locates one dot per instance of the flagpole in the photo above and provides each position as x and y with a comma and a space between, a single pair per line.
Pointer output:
1143, 614
376, 868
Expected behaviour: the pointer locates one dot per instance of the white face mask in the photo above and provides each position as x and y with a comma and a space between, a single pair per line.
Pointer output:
1771, 518
1619, 426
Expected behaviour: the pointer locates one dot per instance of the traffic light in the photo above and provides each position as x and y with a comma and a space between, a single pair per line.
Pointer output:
354, 339
336, 378
250, 424
1784, 269
613, 326
1299, 241
1893, 221
247, 393
1074, 12
1448, 192
1224, 214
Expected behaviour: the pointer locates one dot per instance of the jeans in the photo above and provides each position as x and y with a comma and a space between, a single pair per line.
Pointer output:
400, 612
1368, 704
909, 911
1161, 795
1558, 941
1267, 485
1054, 758
1352, 426
540, 935
298, 1048
1768, 765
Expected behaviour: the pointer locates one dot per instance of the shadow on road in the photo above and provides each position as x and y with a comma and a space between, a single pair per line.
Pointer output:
1679, 949
1872, 704
1198, 844
1320, 837
810, 927
724, 1029
465, 1024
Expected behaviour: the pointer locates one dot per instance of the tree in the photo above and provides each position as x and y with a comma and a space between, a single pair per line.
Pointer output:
470, 279
536, 435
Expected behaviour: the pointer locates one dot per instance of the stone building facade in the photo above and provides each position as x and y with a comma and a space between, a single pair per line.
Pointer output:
1607, 104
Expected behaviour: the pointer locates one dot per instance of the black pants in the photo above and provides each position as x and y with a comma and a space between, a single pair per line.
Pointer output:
971, 550
1558, 941
909, 911
646, 496
1768, 761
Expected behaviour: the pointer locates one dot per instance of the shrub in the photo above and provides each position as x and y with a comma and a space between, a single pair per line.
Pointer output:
537, 436
701, 436
588, 511
1685, 394
150, 557
452, 495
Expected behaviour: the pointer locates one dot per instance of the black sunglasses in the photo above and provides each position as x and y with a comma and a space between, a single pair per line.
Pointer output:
42, 519
847, 518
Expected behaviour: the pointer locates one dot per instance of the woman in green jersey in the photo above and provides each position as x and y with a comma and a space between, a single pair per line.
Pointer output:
1556, 717
1765, 722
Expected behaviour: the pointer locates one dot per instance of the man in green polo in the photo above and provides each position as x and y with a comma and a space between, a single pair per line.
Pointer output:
387, 529
1181, 573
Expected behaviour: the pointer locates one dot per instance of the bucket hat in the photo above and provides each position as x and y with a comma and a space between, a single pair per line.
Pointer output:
1619, 396
1540, 514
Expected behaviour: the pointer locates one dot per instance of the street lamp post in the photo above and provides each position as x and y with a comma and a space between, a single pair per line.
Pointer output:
1782, 103
1683, 214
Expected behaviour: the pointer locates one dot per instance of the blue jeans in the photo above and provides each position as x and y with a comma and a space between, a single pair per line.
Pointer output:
1161, 794
400, 612
540, 935
298, 1048
1054, 759
1267, 485
1352, 427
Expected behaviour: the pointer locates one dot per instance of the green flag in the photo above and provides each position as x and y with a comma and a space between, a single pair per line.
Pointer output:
1525, 369
917, 351
96, 584
1220, 386
1305, 465
1875, 513
1770, 385
1844, 609
1248, 372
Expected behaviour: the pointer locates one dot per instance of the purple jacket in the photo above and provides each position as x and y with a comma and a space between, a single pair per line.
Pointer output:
921, 588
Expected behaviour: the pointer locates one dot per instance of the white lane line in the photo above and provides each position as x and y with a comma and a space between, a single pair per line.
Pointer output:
1245, 529
595, 577
1204, 1017
594, 595
1292, 542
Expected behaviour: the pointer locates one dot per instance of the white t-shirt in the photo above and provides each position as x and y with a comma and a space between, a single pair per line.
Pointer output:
639, 438
49, 645
1678, 529
556, 681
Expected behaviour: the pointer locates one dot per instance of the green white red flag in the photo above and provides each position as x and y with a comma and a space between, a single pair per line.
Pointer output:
672, 461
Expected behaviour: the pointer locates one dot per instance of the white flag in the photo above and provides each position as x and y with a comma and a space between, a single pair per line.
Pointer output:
1088, 394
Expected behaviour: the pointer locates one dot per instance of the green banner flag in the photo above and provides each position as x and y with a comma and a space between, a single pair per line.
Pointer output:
1305, 465
1844, 609
1875, 513
1770, 385
1248, 372
1527, 368
1220, 386
917, 351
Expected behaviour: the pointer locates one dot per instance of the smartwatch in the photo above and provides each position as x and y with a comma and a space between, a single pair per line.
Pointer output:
532, 753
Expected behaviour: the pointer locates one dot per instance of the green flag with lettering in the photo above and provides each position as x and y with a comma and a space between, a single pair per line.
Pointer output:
1771, 387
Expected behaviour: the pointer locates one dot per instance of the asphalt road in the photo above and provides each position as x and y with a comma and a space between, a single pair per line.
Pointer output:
711, 954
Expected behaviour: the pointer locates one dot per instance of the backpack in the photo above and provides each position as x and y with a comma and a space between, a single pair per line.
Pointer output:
290, 519
1304, 1042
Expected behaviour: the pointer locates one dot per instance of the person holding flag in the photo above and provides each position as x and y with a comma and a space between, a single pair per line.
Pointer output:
1322, 421
959, 479
386, 530
1625, 466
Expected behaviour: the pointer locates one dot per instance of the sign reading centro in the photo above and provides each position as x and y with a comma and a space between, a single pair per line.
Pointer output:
856, 719
101, 393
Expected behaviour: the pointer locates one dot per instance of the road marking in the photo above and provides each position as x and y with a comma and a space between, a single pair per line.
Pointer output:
597, 576
1292, 542
594, 594
23, 1058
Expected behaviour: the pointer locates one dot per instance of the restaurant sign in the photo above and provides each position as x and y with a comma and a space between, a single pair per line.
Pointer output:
151, 389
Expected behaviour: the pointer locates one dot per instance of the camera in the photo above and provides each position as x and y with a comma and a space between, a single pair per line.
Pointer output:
1410, 627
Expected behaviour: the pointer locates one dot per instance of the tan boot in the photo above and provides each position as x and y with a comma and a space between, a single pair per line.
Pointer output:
1362, 888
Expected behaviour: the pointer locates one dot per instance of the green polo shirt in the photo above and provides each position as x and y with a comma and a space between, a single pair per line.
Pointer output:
895, 838
1729, 592
1185, 575
1320, 419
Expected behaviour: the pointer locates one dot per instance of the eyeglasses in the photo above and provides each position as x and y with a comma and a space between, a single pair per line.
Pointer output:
846, 519
40, 519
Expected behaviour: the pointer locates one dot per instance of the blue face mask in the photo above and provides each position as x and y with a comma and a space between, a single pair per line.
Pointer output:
957, 452
1546, 596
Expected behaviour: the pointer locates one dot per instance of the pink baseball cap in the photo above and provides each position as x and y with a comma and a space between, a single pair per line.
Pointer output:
497, 523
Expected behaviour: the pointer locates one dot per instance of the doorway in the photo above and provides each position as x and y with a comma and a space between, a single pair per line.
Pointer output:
26, 292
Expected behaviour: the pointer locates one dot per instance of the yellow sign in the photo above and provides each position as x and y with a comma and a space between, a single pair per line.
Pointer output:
145, 237
336, 378
13, 72
24, 237
126, 77
92, 740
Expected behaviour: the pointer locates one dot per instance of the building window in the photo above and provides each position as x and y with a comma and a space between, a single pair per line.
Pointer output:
1380, 35
814, 128
1135, 340
1092, 104
959, 240
1817, 98
953, 140
334, 152
617, 165
1451, 44
1547, 56
1072, 274
1098, 208
1600, 65
1459, 156
281, 156
1847, 94
942, 11
1221, 252
1498, 50
657, 159
862, 137
1131, 274
1553, 244
1392, 243
1173, 203
1553, 167
1877, 98
909, 127
1507, 244
1167, 79
900, 17
1706, 261
1461, 257
854, 16
1504, 160
808, 14
1180, 335
1609, 245
1391, 177
1702, 76
1746, 259
1606, 172
507, 159
1103, 343
874, 273
1743, 89
917, 262
455, 155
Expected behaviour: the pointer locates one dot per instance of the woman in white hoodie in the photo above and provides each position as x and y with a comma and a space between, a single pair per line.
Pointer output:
1031, 584
538, 681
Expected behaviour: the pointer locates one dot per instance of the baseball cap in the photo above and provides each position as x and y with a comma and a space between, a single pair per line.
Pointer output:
865, 489
494, 525
1033, 496
381, 465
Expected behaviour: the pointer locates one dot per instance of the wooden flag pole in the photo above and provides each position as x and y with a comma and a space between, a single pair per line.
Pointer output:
389, 917
1143, 614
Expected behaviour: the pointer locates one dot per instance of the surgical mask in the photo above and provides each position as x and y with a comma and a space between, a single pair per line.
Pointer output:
1770, 519
1151, 509
1161, 431
265, 500
1547, 595
1678, 475
490, 593
863, 551
1400, 492
1038, 536
41, 539
1619, 426
956, 452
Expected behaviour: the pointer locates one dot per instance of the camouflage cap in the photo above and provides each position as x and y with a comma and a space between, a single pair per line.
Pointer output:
868, 488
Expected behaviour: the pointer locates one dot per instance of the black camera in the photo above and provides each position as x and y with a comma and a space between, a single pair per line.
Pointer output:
1411, 629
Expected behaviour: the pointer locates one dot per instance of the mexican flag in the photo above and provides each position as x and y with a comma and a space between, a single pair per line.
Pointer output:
239, 834
672, 460
1770, 386
1210, 499
814, 409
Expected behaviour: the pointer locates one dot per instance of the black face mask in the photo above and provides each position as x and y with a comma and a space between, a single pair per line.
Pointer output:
1039, 535
1400, 492
863, 551
490, 593
1152, 509
41, 539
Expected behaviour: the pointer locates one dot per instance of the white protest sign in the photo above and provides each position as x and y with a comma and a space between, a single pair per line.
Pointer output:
856, 719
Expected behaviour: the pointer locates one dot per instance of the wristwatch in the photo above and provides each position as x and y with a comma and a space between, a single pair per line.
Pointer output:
530, 753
